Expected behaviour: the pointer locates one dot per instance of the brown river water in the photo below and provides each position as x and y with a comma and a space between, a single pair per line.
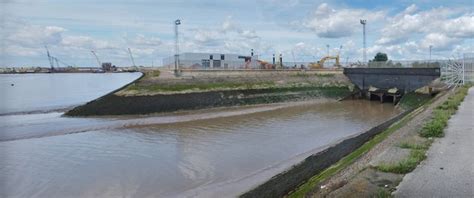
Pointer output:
208, 153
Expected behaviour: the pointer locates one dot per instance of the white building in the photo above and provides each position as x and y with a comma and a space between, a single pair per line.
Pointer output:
212, 61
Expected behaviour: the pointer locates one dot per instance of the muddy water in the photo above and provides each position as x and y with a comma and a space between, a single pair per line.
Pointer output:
219, 153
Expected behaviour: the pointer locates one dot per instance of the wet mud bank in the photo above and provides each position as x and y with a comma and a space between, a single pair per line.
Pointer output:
283, 183
113, 104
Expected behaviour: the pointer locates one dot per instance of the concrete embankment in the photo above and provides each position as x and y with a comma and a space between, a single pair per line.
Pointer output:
154, 93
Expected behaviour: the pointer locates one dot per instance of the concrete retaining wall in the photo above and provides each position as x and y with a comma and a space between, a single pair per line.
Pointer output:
113, 104
405, 79
281, 184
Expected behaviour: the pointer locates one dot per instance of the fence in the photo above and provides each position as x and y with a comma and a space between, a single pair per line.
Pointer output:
468, 63
459, 70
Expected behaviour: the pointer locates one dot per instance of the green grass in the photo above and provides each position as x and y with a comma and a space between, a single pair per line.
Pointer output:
382, 193
325, 75
435, 127
154, 73
163, 88
406, 165
422, 146
206, 86
413, 100
349, 159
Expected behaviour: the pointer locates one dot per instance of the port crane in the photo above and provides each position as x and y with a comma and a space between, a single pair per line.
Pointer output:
96, 58
54, 61
50, 58
131, 57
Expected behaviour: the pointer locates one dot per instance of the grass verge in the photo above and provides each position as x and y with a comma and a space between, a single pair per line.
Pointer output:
413, 100
441, 115
200, 87
433, 128
405, 166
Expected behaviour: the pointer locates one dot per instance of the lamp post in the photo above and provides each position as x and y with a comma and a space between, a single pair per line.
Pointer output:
176, 56
429, 62
363, 22
327, 46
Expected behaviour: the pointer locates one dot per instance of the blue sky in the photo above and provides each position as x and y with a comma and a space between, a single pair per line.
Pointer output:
71, 29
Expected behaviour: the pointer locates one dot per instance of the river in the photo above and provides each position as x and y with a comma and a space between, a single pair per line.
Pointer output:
207, 153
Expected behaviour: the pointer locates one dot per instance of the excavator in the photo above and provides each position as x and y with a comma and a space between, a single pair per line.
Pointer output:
320, 63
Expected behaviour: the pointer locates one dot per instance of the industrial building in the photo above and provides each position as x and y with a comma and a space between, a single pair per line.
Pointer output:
212, 61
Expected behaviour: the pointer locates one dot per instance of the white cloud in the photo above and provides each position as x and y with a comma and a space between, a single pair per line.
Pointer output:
331, 23
461, 27
142, 40
411, 22
439, 41
33, 35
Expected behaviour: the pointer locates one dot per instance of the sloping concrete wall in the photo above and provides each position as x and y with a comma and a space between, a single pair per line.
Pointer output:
405, 79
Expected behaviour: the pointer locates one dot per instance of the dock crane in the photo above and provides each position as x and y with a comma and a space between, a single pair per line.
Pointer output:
97, 58
50, 58
131, 57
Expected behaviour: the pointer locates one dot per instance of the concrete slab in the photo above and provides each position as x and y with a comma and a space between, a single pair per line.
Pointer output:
449, 169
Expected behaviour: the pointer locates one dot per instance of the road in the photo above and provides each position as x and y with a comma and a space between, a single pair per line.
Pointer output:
449, 168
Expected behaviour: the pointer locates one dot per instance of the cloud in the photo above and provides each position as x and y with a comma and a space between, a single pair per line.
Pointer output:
231, 38
327, 22
34, 35
142, 40
411, 22
439, 41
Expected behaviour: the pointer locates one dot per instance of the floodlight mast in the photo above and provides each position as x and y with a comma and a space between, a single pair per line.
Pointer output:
429, 62
176, 56
364, 22
327, 47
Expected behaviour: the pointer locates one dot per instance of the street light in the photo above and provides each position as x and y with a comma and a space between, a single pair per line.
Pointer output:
327, 46
363, 22
176, 56
429, 62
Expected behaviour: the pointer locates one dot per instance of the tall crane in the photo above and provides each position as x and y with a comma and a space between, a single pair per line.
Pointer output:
131, 57
50, 58
97, 58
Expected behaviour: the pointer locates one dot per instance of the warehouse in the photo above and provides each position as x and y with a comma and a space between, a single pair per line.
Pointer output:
212, 61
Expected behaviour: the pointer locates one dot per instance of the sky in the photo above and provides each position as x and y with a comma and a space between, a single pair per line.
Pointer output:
301, 29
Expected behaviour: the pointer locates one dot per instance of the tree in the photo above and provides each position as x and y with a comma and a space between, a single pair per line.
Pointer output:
380, 57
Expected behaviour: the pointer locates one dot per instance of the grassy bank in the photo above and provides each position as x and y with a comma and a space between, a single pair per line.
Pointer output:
433, 128
442, 113
349, 159
154, 82
414, 100
198, 87
409, 101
